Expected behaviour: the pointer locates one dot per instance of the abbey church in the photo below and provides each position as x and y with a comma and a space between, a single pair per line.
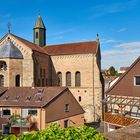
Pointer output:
73, 65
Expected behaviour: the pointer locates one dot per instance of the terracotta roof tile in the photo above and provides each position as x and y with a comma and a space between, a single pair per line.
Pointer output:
72, 48
34, 99
119, 119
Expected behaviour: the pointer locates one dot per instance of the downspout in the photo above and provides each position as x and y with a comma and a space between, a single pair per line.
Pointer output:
93, 87
40, 118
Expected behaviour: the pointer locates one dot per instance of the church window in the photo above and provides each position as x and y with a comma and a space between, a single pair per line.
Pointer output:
46, 81
1, 81
68, 79
17, 83
59, 80
79, 99
44, 72
40, 72
36, 35
43, 82
77, 79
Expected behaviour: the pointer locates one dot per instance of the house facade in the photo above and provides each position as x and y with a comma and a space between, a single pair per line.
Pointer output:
122, 100
29, 108
74, 65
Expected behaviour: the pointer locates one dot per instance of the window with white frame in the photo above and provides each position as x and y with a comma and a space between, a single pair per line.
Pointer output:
137, 80
32, 112
6, 112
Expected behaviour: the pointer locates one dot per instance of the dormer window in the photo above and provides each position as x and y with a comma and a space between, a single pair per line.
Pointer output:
17, 98
28, 98
5, 98
137, 80
39, 99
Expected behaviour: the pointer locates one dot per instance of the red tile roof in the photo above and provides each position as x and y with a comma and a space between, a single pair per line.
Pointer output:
63, 49
123, 68
31, 45
48, 94
119, 119
72, 48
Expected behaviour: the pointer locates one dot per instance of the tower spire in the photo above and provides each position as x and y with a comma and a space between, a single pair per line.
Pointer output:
39, 32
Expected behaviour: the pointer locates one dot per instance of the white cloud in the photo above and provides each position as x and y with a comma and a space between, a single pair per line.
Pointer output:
133, 45
110, 8
122, 30
108, 41
60, 33
122, 54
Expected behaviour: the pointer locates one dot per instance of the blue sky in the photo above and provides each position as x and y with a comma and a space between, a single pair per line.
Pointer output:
116, 21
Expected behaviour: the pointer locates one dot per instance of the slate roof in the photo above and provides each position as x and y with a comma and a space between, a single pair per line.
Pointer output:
39, 23
29, 96
72, 48
9, 50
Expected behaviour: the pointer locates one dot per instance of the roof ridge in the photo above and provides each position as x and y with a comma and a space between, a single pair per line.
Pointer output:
123, 75
49, 45
36, 47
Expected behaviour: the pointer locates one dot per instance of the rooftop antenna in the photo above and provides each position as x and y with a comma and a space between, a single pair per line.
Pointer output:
9, 27
97, 37
39, 12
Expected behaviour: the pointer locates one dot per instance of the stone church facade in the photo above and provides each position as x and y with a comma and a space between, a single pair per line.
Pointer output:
75, 65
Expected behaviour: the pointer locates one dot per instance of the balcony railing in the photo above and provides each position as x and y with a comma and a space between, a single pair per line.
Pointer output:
21, 123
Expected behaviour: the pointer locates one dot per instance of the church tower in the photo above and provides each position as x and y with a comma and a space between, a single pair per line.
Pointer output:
39, 32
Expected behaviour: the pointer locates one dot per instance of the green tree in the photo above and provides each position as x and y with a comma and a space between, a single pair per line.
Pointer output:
54, 132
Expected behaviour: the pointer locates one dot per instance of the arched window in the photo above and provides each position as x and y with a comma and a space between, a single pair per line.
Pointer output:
68, 79
38, 83
80, 99
43, 82
1, 81
77, 79
46, 82
36, 35
59, 80
17, 82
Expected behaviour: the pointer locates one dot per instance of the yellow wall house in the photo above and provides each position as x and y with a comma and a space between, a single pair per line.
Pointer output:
29, 108
74, 65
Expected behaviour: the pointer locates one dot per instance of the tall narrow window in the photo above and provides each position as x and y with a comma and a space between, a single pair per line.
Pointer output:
46, 82
59, 80
38, 83
1, 81
36, 35
77, 79
17, 83
80, 99
43, 82
68, 79
40, 72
